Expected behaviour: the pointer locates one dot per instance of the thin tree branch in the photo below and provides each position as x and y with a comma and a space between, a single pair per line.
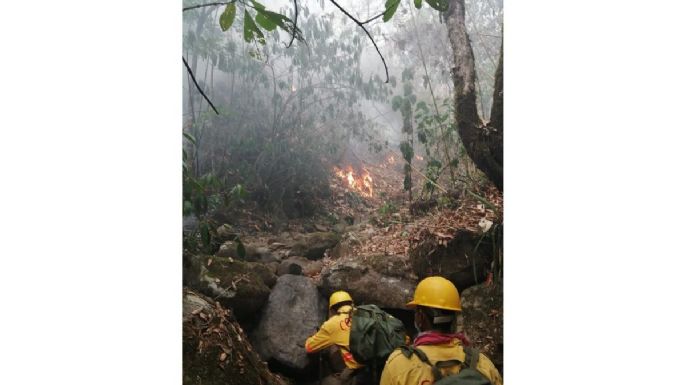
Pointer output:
208, 5
292, 38
361, 25
373, 18
198, 86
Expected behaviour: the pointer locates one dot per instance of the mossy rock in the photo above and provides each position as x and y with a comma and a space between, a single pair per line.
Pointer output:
312, 246
216, 350
366, 286
242, 286
457, 257
252, 253
391, 265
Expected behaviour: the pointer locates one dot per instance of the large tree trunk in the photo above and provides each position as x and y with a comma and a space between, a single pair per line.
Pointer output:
483, 142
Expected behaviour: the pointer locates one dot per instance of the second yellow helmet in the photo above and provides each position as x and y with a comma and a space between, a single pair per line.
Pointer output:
436, 292
337, 297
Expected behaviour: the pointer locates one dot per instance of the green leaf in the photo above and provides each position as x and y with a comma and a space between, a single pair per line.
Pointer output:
265, 22
390, 8
417, 4
190, 138
440, 5
187, 207
407, 151
204, 233
239, 192
270, 20
396, 102
226, 18
258, 5
250, 29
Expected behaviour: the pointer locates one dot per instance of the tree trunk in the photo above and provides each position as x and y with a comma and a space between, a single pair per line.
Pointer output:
483, 143
496, 114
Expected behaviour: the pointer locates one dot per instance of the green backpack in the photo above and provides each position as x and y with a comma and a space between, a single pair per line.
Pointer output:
374, 335
467, 376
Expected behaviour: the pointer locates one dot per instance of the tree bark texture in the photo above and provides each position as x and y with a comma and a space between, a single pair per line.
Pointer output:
483, 142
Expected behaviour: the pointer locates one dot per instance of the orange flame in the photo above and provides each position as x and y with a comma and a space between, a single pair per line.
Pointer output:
362, 183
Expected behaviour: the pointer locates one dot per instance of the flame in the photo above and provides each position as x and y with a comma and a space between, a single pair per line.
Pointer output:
362, 183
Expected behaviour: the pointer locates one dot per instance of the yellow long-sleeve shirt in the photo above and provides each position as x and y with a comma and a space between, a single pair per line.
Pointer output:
400, 370
335, 331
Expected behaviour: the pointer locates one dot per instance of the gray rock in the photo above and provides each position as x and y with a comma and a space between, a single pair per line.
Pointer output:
263, 254
312, 246
228, 250
455, 260
226, 233
289, 266
366, 286
193, 304
294, 311
190, 223
239, 285
299, 266
252, 253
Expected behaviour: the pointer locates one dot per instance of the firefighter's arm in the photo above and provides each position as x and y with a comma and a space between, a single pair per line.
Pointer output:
320, 340
488, 369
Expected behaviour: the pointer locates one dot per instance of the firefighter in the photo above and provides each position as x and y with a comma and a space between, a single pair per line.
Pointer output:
334, 337
437, 350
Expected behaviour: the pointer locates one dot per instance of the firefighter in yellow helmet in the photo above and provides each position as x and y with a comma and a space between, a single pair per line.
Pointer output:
334, 335
436, 304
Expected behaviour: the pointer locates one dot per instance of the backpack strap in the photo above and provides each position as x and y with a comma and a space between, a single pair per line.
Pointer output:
435, 369
472, 356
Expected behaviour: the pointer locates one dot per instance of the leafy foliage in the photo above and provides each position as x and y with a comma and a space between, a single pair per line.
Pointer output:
390, 8
285, 111
226, 19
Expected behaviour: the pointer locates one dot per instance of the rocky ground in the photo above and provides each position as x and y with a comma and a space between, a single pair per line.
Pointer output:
260, 307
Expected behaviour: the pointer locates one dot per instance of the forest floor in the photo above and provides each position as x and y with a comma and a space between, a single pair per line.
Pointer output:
376, 227
383, 222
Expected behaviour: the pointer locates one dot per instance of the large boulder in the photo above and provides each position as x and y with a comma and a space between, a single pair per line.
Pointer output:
482, 321
295, 311
464, 258
253, 253
392, 265
216, 351
299, 266
365, 285
239, 285
226, 232
313, 245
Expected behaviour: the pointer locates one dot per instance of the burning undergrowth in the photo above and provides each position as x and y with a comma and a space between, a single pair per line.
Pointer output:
358, 180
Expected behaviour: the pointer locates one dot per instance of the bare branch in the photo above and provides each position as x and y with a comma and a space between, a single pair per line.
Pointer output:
198, 86
292, 38
373, 18
361, 25
208, 5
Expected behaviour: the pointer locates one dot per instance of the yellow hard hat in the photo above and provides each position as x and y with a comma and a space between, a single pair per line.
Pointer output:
436, 292
337, 297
